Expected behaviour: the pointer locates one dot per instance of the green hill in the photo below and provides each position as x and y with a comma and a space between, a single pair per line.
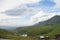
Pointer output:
50, 27
5, 34
51, 30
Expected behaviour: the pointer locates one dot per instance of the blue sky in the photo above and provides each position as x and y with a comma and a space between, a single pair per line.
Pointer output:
27, 12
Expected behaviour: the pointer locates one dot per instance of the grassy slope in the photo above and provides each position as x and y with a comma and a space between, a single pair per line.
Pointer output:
8, 35
50, 30
33, 32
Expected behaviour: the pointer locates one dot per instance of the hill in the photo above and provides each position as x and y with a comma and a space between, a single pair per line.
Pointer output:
4, 33
10, 28
49, 27
53, 20
7, 35
51, 30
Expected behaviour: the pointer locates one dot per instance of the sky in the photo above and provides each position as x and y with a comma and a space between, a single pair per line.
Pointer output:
17, 13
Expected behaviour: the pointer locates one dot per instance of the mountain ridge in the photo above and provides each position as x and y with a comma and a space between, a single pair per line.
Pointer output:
53, 20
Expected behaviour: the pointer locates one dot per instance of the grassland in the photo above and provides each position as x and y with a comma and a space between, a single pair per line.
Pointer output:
33, 32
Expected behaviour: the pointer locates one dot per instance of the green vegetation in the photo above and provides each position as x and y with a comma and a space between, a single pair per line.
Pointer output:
5, 33
49, 30
33, 32
11, 36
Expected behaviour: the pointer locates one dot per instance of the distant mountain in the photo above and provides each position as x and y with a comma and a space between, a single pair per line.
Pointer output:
53, 20
8, 27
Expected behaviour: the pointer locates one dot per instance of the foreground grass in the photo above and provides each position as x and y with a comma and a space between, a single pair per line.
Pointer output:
24, 38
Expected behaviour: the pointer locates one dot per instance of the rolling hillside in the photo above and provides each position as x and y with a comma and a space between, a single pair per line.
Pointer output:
5, 34
50, 27
50, 30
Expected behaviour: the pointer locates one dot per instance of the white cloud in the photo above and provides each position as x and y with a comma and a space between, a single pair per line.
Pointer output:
4, 16
37, 17
57, 3
10, 4
41, 16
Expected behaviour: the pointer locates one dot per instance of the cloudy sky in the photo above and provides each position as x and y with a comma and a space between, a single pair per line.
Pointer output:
27, 12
